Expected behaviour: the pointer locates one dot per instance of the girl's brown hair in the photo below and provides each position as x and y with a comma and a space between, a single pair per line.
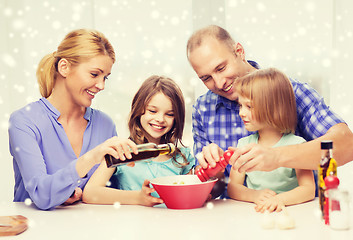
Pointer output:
272, 97
78, 46
151, 86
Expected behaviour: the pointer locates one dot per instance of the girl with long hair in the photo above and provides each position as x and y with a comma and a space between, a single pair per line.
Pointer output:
157, 116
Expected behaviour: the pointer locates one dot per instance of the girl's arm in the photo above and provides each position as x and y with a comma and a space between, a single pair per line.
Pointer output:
97, 192
238, 191
303, 193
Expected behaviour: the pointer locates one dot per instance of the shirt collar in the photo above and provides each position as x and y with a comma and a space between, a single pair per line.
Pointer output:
51, 109
225, 102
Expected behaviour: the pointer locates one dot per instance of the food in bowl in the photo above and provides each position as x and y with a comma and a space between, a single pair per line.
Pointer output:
183, 191
179, 183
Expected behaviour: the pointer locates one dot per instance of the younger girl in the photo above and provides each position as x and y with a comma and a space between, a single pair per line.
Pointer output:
157, 116
267, 106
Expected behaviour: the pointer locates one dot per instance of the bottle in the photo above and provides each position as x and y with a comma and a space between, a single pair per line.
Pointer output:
205, 174
339, 209
331, 183
327, 167
146, 150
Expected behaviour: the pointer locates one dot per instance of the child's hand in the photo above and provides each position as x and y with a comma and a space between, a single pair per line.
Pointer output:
274, 203
145, 195
263, 195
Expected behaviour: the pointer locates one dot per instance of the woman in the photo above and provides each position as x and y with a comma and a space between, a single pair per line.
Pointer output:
57, 141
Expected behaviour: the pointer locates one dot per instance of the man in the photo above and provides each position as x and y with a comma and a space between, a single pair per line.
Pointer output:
218, 61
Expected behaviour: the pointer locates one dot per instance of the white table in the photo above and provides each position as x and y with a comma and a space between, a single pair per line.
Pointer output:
219, 219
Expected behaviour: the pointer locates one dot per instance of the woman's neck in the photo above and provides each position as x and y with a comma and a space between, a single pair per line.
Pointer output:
67, 108
269, 136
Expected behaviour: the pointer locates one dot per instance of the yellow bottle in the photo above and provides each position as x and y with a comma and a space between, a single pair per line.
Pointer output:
327, 167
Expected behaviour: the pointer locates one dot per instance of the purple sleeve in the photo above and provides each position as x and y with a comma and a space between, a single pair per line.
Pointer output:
45, 190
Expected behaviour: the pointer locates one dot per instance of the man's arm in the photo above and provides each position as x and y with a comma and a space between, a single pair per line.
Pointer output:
199, 134
308, 155
303, 156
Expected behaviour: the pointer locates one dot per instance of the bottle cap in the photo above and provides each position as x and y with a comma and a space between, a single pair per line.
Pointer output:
326, 144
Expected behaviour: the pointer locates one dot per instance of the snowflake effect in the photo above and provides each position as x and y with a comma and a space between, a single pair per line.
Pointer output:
153, 41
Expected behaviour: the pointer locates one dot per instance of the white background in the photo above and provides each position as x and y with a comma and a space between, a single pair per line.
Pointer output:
310, 40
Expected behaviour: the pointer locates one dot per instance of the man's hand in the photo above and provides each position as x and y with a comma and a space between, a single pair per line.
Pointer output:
254, 157
210, 155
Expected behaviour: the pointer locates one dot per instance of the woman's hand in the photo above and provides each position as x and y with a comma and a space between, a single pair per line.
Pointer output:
119, 148
75, 197
145, 195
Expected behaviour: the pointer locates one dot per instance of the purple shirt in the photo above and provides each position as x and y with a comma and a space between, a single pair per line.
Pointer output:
43, 160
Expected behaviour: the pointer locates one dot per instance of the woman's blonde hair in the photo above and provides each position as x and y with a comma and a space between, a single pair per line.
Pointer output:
78, 46
271, 95
150, 87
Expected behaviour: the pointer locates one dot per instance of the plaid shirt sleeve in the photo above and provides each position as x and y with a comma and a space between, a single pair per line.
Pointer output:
315, 118
199, 133
216, 120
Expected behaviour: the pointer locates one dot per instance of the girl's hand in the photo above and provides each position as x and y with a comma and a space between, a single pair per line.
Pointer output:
262, 196
76, 196
145, 195
274, 203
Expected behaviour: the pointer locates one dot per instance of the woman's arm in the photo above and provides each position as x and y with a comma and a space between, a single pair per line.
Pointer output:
97, 192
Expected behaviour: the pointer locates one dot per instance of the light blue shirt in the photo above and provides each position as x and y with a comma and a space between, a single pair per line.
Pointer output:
132, 178
279, 180
43, 160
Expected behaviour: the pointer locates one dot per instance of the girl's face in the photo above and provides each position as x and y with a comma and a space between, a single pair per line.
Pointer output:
246, 114
158, 118
85, 80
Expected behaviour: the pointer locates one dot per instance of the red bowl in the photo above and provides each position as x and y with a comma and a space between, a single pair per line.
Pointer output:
183, 191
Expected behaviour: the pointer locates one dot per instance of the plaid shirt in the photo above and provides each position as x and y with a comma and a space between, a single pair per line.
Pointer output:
216, 119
